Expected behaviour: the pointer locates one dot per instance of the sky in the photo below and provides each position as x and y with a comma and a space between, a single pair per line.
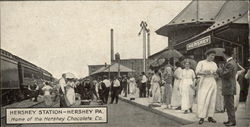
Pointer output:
67, 36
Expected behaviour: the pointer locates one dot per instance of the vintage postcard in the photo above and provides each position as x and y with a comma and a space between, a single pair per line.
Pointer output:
125, 63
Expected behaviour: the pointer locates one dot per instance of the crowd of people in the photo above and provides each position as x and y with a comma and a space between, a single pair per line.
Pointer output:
98, 89
211, 86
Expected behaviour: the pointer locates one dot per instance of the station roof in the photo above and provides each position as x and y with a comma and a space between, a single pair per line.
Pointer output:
234, 12
113, 68
99, 70
198, 11
207, 12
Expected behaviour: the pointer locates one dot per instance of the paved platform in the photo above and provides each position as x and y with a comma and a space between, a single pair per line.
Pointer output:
190, 119
21, 104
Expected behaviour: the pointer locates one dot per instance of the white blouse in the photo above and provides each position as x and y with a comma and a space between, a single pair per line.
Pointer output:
205, 65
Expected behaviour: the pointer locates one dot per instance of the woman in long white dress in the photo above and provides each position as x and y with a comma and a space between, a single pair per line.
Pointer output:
47, 97
186, 88
237, 96
70, 92
132, 87
176, 95
155, 87
207, 88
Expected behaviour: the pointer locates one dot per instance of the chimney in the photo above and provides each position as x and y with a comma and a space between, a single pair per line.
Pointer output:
112, 46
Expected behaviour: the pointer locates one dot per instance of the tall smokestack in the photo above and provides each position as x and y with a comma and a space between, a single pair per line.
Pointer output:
112, 45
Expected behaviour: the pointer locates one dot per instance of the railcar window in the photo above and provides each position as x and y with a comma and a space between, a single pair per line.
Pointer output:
27, 75
37, 76
9, 77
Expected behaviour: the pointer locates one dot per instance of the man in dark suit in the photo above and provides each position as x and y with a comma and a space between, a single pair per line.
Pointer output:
62, 92
34, 89
101, 90
124, 85
227, 73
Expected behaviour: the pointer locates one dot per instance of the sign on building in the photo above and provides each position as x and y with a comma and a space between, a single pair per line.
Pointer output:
199, 43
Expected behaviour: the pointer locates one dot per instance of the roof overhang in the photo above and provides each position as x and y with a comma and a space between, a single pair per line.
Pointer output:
167, 29
214, 33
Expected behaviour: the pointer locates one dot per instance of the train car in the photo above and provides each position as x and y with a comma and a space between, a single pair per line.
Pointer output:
46, 75
10, 82
28, 74
16, 74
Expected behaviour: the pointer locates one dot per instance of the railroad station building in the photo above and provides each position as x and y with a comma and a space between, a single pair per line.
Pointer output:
211, 24
132, 64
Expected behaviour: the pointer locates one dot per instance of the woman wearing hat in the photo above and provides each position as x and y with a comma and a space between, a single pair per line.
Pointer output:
155, 87
176, 96
207, 88
168, 78
47, 97
70, 91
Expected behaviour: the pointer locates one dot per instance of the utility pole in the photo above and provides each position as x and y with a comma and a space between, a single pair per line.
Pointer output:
148, 31
109, 71
112, 45
144, 29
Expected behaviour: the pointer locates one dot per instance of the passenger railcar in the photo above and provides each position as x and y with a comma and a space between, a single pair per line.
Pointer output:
16, 74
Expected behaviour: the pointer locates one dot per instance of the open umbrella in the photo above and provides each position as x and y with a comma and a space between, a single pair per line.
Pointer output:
158, 63
192, 63
171, 53
167, 53
218, 51
70, 75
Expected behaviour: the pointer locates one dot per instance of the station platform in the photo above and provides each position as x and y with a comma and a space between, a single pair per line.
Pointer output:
190, 119
21, 104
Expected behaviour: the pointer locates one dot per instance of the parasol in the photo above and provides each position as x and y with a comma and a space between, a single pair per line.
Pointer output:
171, 53
69, 75
158, 63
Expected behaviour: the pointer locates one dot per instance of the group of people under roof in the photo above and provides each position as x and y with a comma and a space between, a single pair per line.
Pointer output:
211, 86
